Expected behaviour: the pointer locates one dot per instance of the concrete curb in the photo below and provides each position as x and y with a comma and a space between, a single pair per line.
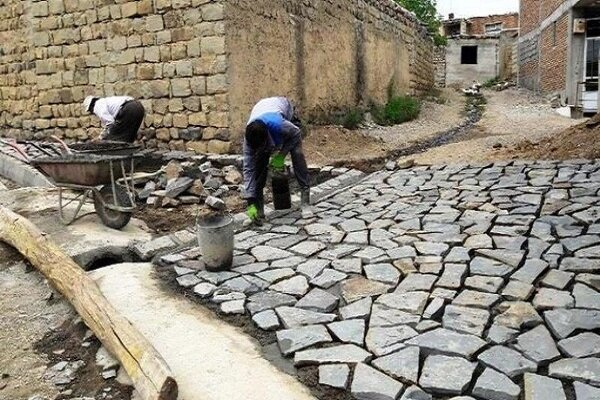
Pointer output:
22, 174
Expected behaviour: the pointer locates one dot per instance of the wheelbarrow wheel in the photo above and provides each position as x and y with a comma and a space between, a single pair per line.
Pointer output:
112, 218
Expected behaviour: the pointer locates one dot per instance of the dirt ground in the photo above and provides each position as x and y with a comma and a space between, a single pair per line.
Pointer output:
326, 145
26, 315
39, 329
333, 145
167, 220
511, 117
579, 141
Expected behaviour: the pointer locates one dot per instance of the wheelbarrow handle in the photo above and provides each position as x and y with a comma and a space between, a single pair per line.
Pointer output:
62, 143
22, 154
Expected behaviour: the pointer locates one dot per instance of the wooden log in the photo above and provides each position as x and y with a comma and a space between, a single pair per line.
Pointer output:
149, 372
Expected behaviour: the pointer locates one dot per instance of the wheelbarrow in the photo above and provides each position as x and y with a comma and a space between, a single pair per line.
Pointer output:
105, 179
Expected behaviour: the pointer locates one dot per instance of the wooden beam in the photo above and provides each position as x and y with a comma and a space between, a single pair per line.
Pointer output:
149, 372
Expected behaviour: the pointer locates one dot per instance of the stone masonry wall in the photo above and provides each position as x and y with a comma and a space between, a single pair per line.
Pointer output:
327, 55
168, 53
199, 65
439, 60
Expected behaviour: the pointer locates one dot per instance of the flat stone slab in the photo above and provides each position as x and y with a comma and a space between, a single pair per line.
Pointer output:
538, 345
349, 331
345, 353
357, 288
585, 392
336, 375
465, 319
564, 322
293, 317
296, 286
266, 320
586, 369
473, 298
411, 302
358, 309
583, 345
493, 385
266, 253
385, 340
292, 340
385, 273
268, 300
446, 375
370, 384
538, 387
448, 342
318, 300
507, 360
416, 282
402, 365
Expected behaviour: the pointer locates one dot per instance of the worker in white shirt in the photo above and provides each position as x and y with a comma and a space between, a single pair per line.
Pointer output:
120, 116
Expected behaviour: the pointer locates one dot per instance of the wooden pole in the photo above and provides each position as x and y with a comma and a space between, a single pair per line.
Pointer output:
149, 372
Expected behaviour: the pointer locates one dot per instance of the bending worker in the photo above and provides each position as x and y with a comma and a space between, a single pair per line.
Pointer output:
120, 116
270, 133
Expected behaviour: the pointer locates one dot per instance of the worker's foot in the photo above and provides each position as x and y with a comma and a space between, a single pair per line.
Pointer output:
307, 212
305, 198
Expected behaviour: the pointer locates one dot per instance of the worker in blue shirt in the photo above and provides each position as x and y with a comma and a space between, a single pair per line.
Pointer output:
270, 136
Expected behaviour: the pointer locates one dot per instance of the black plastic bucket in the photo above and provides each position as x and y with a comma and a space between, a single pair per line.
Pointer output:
282, 199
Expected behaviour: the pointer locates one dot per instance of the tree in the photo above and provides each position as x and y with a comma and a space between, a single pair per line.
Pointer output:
426, 11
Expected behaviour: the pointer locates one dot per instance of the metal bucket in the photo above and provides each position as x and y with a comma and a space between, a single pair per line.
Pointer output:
215, 238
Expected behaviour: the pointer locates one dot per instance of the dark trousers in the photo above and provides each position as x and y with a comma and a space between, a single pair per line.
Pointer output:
262, 172
127, 122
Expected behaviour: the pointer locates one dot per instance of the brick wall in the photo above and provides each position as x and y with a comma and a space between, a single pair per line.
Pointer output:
176, 56
529, 15
553, 61
477, 24
543, 55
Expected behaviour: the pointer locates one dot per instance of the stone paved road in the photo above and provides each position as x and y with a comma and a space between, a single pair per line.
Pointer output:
432, 282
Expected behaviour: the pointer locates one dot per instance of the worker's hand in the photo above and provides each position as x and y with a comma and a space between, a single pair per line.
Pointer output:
277, 163
252, 212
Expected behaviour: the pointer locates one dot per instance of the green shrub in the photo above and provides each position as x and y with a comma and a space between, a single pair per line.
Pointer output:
352, 118
491, 82
397, 110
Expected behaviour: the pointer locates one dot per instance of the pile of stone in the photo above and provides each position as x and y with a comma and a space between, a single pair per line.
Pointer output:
187, 182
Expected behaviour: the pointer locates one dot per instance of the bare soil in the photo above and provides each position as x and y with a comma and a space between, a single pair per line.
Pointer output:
579, 141
168, 220
326, 145
37, 330
511, 117
67, 344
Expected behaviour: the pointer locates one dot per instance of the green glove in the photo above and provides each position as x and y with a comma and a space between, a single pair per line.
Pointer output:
252, 212
278, 162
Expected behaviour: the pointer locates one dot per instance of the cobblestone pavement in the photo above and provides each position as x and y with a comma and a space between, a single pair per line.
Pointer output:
432, 282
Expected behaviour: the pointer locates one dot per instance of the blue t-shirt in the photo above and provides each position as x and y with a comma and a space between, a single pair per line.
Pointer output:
274, 123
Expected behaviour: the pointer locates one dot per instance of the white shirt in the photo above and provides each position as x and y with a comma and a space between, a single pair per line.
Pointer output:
279, 105
107, 108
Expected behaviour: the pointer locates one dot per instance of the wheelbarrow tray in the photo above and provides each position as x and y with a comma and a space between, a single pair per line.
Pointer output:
84, 169
107, 148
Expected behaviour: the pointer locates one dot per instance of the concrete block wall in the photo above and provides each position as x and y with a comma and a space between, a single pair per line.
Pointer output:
487, 66
199, 65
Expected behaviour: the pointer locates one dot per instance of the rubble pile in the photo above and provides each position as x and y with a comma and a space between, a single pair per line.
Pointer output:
187, 182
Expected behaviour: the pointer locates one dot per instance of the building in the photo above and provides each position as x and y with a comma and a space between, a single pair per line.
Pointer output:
559, 49
479, 48
198, 66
